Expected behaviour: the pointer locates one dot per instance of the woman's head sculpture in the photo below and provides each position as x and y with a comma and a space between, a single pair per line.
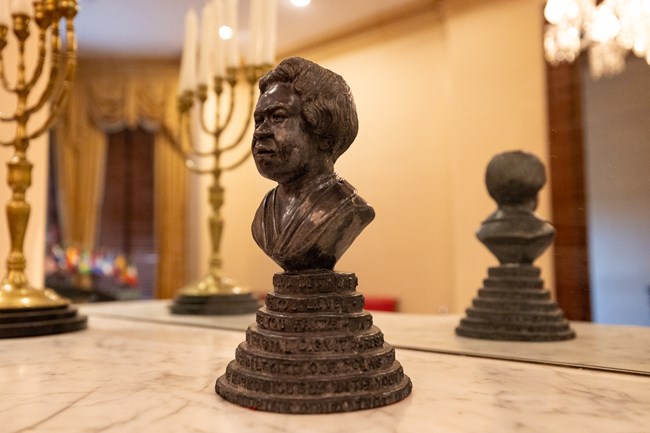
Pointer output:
514, 233
327, 105
305, 119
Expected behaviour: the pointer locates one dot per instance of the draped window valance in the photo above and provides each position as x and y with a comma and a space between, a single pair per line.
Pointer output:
110, 96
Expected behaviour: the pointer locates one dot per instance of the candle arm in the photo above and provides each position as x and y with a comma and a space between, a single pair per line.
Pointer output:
185, 125
176, 140
7, 87
189, 162
66, 85
3, 76
204, 125
186, 129
55, 59
232, 82
38, 70
244, 129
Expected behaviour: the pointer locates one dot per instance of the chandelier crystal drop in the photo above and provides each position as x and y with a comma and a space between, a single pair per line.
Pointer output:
608, 31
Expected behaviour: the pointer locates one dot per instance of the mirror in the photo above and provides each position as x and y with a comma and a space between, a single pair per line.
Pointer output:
431, 118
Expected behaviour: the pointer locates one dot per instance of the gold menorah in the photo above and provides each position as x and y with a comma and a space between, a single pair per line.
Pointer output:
215, 293
219, 59
25, 310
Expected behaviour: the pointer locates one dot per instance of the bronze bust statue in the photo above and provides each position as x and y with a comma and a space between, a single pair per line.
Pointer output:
312, 348
513, 303
311, 218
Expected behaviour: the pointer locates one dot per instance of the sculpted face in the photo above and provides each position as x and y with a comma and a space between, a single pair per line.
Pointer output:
284, 151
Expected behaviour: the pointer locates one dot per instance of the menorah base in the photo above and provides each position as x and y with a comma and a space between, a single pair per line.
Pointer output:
514, 306
240, 303
31, 322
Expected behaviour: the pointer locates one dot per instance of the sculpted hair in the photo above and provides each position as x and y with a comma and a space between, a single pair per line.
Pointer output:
327, 104
514, 177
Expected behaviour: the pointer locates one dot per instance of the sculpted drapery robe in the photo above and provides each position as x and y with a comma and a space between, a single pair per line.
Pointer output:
516, 235
314, 232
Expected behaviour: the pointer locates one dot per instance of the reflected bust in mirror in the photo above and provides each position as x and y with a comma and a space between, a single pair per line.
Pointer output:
514, 233
305, 119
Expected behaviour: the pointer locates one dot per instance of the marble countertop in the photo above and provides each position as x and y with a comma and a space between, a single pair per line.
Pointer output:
136, 376
599, 347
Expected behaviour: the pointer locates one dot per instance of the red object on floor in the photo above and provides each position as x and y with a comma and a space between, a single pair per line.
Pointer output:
378, 303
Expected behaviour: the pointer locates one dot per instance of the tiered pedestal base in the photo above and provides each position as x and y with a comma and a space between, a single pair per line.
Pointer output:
30, 322
513, 305
313, 349
215, 304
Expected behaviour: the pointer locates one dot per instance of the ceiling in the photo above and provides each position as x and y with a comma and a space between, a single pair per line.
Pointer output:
154, 28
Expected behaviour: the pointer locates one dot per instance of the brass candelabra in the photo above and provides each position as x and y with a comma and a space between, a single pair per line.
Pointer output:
26, 310
215, 293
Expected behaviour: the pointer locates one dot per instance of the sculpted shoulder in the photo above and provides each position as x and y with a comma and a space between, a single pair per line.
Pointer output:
341, 191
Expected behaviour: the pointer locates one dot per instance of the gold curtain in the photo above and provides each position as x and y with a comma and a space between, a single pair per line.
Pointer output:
80, 155
110, 96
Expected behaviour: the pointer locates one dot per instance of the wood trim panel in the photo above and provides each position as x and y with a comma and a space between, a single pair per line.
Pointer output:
568, 190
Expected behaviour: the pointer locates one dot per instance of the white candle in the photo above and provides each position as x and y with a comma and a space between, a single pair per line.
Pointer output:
218, 56
254, 31
270, 31
21, 7
5, 14
188, 59
232, 57
181, 77
207, 43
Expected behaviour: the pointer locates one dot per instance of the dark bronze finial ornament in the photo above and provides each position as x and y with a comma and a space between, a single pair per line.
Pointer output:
313, 349
513, 304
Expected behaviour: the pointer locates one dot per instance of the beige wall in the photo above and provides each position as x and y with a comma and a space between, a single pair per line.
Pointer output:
400, 78
498, 104
37, 154
438, 95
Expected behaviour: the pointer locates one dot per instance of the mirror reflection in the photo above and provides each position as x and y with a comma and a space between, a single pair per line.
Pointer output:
440, 88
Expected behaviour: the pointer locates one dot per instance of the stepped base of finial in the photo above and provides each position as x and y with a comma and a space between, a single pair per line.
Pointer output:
313, 349
513, 305
31, 322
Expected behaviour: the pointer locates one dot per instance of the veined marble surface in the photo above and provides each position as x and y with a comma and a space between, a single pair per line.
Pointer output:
608, 347
122, 376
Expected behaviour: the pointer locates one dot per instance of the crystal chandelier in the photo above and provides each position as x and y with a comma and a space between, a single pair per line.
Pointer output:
608, 30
